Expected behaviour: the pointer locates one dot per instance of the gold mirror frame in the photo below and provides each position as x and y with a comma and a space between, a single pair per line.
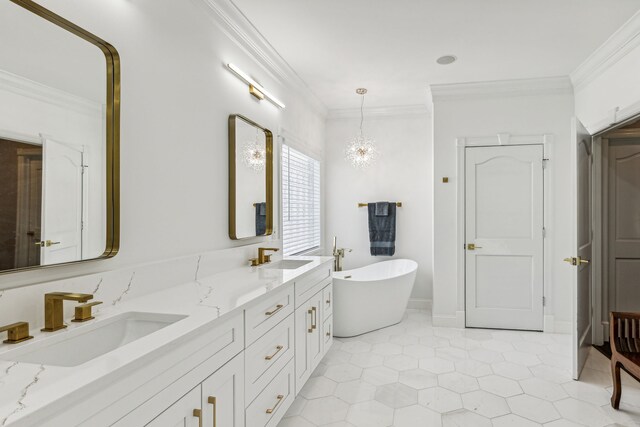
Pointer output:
112, 244
232, 176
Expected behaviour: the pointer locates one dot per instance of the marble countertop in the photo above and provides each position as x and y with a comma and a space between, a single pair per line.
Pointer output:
27, 387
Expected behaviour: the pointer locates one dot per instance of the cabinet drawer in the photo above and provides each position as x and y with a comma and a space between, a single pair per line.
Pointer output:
267, 356
267, 313
327, 298
308, 285
327, 330
272, 403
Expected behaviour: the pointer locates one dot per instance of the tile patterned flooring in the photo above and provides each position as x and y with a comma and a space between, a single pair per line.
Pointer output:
413, 374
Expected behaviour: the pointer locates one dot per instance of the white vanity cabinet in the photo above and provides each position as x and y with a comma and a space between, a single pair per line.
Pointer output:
243, 370
180, 414
312, 311
223, 395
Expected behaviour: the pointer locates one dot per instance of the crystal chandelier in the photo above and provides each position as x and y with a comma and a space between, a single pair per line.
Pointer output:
361, 150
254, 155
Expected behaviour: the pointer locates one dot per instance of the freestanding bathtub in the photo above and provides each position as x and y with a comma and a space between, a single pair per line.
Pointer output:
371, 297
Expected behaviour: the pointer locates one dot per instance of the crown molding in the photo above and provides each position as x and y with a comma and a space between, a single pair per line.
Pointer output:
616, 47
390, 111
502, 88
241, 31
19, 85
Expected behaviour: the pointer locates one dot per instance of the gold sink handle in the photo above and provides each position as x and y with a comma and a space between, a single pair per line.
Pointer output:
84, 313
16, 332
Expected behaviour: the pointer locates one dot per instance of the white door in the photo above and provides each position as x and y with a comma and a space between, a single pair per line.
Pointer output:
504, 237
624, 226
181, 413
582, 239
223, 395
62, 207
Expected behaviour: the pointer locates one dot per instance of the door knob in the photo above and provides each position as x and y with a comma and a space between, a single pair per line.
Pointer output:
576, 260
46, 243
473, 247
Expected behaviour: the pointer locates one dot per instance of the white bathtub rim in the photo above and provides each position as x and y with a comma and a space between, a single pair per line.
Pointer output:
412, 267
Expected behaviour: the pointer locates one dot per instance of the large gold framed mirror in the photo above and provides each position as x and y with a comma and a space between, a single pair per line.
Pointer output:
59, 140
250, 179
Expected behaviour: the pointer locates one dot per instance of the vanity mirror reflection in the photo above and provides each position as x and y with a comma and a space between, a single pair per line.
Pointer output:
250, 179
59, 114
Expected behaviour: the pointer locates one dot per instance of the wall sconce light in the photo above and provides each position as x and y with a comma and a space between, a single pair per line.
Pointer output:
255, 88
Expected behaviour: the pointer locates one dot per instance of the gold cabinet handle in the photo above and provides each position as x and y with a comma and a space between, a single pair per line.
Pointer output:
198, 413
272, 312
329, 332
271, 410
278, 348
310, 312
212, 401
314, 325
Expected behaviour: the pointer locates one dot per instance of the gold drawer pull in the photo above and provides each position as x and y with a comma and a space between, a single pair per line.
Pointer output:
310, 312
198, 413
329, 301
271, 410
212, 401
272, 312
278, 348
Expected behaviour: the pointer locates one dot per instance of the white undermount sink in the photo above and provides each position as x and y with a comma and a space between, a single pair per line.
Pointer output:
77, 346
286, 264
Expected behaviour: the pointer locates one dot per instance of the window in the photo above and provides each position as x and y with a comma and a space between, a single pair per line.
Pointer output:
300, 202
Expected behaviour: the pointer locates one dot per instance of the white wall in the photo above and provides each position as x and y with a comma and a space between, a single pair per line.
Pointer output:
176, 98
534, 107
402, 173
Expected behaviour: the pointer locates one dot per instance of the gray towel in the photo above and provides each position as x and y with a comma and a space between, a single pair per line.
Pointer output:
382, 230
261, 218
382, 208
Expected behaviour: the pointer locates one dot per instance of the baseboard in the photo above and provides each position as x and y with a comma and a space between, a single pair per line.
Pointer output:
553, 326
419, 304
456, 321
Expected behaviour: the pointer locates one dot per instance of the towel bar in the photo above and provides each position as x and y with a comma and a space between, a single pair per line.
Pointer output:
364, 205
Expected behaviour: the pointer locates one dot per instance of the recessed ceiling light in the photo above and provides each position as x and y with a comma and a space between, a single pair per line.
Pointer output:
446, 60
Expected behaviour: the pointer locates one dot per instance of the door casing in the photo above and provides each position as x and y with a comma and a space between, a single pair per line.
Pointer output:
547, 142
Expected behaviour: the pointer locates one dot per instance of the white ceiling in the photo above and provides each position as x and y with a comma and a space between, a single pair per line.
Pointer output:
390, 46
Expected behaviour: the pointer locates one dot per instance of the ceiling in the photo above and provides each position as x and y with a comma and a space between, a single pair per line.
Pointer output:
391, 46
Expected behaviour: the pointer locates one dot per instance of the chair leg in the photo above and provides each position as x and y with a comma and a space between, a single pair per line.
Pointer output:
617, 384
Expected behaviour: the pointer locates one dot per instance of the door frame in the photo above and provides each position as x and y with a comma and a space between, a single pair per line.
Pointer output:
504, 139
601, 268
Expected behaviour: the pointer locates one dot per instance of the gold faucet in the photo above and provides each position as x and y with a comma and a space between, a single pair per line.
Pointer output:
264, 258
53, 313
16, 332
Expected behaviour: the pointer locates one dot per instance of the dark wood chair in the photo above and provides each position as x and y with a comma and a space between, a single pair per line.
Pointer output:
625, 349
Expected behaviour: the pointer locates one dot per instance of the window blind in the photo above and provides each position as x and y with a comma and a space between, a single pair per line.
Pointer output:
300, 202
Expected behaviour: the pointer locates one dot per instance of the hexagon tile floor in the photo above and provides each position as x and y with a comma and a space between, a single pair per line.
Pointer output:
413, 375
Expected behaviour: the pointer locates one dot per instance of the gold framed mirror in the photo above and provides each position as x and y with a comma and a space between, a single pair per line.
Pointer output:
59, 141
250, 179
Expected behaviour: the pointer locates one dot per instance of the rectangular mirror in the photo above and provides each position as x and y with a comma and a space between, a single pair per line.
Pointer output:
59, 117
250, 179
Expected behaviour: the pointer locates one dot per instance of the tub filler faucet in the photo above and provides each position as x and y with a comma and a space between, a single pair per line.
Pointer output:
338, 255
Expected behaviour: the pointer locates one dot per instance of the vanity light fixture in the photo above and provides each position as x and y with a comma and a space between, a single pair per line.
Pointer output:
361, 150
255, 88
